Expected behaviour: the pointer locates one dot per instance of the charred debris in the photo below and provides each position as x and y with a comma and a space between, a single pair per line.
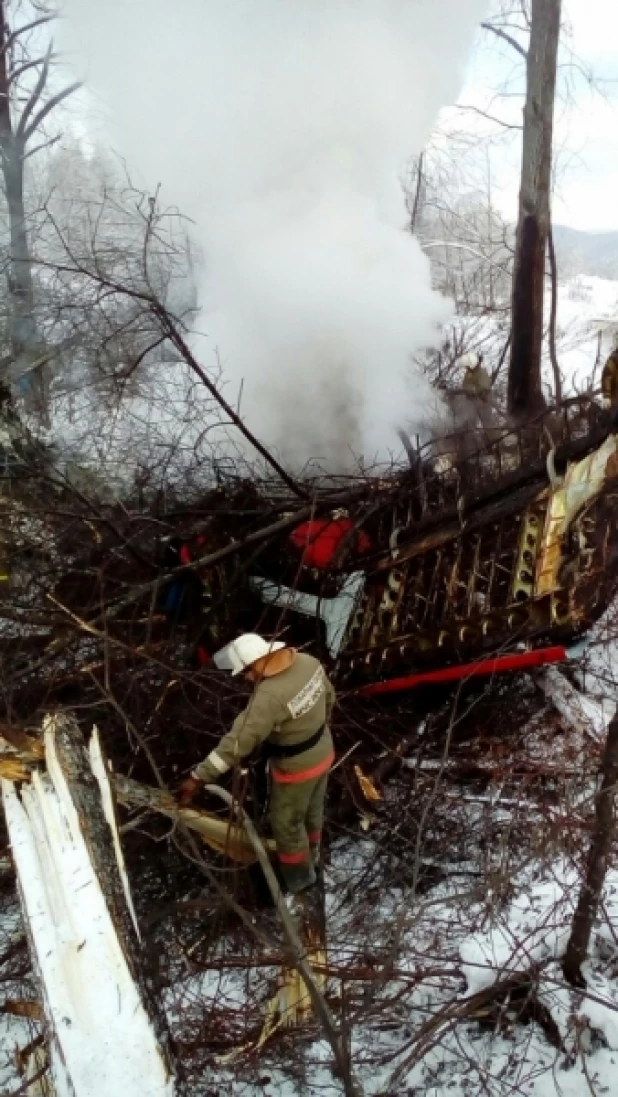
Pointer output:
481, 558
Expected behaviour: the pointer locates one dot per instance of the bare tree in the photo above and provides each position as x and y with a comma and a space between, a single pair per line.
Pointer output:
602, 841
524, 383
23, 77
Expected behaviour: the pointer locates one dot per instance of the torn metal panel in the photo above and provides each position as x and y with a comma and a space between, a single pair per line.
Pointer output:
582, 483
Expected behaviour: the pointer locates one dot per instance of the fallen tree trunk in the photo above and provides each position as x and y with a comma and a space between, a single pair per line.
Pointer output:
107, 1032
578, 712
220, 834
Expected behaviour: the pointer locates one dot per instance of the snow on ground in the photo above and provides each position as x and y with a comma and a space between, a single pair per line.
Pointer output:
15, 1032
587, 330
587, 309
597, 671
461, 1060
534, 928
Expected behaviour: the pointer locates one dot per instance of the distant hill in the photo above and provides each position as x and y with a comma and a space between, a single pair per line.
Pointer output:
593, 253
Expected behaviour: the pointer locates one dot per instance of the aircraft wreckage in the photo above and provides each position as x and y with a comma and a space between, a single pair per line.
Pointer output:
475, 564
479, 552
459, 566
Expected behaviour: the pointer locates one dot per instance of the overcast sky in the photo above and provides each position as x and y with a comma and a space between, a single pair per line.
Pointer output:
586, 124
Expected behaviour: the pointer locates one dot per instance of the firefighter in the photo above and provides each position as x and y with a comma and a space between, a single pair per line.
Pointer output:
289, 713
609, 380
186, 595
476, 379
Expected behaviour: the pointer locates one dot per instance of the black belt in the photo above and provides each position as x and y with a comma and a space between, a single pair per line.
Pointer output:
278, 750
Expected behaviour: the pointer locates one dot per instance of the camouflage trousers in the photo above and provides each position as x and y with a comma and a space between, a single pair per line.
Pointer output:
296, 817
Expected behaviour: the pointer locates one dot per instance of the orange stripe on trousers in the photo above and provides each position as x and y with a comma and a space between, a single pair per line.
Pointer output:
303, 774
293, 858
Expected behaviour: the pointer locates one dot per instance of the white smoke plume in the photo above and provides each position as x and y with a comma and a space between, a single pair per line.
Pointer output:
283, 128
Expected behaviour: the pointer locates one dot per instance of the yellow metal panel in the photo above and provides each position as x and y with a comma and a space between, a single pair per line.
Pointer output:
582, 483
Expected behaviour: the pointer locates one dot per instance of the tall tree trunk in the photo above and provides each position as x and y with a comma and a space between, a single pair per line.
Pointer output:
592, 887
23, 334
525, 394
418, 192
553, 318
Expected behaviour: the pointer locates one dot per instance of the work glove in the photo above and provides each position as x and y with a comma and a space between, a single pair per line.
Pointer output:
188, 790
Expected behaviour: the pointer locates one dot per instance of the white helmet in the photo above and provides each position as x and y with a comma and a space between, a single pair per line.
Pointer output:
471, 360
243, 652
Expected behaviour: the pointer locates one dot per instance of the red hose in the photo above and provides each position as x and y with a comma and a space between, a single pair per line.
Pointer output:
501, 663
